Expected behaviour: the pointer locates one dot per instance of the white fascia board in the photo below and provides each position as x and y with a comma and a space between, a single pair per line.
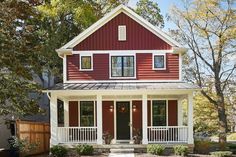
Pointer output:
111, 15
62, 52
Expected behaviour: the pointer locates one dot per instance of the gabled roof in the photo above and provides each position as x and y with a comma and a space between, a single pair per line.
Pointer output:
121, 8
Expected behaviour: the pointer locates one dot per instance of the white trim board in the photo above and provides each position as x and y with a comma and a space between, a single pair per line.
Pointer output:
111, 15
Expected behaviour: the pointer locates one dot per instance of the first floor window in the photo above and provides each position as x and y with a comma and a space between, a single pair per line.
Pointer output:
86, 113
159, 62
159, 113
122, 66
86, 63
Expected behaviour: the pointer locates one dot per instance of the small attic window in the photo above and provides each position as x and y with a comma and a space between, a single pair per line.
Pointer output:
122, 33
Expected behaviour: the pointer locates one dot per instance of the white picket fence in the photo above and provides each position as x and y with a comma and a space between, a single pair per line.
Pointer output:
77, 134
167, 134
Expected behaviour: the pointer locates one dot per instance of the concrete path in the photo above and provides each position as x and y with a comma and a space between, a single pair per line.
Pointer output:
121, 155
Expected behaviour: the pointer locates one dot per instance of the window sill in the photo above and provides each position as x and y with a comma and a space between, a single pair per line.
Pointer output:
121, 78
85, 69
158, 68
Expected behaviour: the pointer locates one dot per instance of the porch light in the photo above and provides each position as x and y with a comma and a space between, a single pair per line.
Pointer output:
111, 108
134, 108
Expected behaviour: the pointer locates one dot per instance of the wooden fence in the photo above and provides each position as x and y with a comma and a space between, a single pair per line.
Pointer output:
34, 132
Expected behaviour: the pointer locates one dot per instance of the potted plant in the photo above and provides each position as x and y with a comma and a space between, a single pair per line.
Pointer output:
137, 136
107, 137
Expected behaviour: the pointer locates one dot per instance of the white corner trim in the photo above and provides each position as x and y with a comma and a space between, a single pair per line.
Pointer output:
85, 55
153, 61
111, 15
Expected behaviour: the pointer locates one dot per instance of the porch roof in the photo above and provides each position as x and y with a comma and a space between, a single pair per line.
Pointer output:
125, 86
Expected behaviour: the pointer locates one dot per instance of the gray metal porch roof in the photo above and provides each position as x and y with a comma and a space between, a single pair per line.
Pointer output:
126, 86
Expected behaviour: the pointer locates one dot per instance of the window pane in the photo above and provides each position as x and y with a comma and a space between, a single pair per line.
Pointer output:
159, 112
128, 65
116, 67
159, 61
85, 62
86, 113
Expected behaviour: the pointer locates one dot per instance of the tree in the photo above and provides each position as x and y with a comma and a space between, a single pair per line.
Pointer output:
20, 52
61, 21
150, 11
208, 28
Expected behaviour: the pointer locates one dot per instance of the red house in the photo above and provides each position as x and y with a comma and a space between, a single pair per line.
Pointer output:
122, 78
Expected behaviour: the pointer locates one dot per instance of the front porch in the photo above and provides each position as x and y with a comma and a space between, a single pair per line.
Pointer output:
157, 113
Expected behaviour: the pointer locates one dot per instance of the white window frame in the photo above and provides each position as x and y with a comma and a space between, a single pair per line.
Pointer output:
118, 54
153, 61
80, 59
167, 117
122, 37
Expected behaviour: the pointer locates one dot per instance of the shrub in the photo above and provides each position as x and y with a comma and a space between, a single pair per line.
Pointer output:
232, 148
231, 136
221, 153
84, 149
155, 149
58, 151
181, 150
202, 147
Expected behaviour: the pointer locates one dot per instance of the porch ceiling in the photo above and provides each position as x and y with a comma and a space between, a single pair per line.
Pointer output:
125, 86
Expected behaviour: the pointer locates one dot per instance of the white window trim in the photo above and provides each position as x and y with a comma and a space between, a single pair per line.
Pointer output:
153, 61
118, 78
120, 37
85, 55
167, 117
94, 114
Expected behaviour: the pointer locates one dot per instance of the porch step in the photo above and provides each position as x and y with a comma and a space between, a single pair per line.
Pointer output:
122, 150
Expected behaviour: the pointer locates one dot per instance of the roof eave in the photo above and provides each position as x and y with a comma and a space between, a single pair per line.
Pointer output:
62, 52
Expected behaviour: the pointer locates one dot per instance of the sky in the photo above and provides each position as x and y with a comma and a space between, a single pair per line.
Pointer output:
165, 6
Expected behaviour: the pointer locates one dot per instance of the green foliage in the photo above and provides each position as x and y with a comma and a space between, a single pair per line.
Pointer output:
84, 149
181, 150
221, 153
155, 149
232, 136
58, 151
150, 11
23, 145
202, 147
20, 57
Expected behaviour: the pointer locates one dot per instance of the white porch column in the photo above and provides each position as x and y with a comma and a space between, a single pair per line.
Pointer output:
144, 118
53, 119
180, 113
190, 118
99, 119
66, 113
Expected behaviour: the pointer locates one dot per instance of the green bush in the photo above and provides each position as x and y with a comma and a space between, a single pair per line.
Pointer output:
155, 149
58, 151
84, 149
202, 147
231, 136
181, 150
221, 153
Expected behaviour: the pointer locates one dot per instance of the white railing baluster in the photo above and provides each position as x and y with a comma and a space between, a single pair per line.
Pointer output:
167, 134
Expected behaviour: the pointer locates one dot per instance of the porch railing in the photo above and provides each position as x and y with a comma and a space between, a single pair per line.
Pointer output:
167, 134
77, 134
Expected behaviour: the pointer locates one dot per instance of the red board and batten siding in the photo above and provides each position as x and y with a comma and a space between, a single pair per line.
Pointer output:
144, 69
138, 37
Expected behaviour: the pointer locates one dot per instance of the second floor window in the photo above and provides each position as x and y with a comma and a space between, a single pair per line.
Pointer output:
85, 62
159, 62
122, 66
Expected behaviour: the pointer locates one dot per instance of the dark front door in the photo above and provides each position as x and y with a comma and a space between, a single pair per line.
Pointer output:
123, 120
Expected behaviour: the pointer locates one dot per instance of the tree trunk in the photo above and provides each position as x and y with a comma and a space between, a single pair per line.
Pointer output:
222, 121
